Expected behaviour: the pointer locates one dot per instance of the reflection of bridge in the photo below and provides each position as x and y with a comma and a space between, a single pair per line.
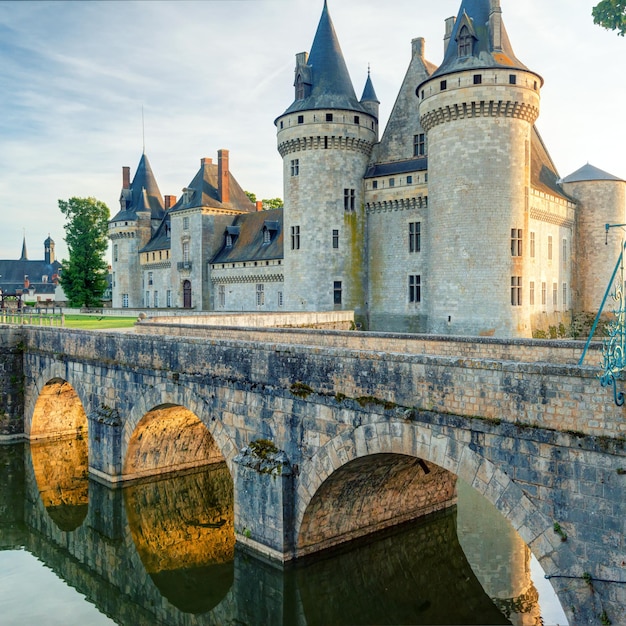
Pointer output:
138, 557
349, 422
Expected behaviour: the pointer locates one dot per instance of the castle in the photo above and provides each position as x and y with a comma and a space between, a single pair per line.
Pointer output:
455, 221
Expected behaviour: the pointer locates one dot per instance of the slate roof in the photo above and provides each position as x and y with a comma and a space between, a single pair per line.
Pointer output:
161, 240
143, 195
203, 191
398, 167
13, 272
587, 173
331, 86
543, 173
475, 14
248, 240
369, 93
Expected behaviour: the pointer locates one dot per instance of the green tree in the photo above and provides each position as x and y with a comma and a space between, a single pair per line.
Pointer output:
611, 14
251, 196
272, 203
84, 275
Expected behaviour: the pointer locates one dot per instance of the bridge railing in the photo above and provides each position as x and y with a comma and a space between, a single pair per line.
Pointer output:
31, 318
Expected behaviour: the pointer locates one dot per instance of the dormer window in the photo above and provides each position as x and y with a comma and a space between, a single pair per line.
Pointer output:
229, 241
465, 42
232, 232
188, 194
270, 228
267, 236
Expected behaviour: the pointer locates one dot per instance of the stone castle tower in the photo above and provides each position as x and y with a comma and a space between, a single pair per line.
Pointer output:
325, 139
478, 109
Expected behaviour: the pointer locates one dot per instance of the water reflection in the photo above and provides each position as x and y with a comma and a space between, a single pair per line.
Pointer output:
163, 552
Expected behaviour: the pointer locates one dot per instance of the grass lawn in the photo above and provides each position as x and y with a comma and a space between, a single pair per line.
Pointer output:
98, 321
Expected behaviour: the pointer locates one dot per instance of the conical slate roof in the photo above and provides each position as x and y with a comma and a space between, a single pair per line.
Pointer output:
144, 194
369, 93
475, 15
331, 86
587, 173
24, 256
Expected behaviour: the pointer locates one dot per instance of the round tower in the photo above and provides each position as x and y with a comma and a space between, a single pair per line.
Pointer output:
478, 109
325, 139
601, 200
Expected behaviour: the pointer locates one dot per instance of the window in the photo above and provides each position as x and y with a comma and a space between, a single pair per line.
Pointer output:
516, 290
555, 294
300, 119
168, 298
532, 245
299, 88
295, 167
375, 185
409, 180
113, 279
280, 298
156, 299
125, 300
543, 294
147, 303
337, 292
478, 79
415, 288
564, 252
357, 119
267, 235
392, 182
349, 196
335, 239
185, 252
221, 296
532, 293
550, 248
115, 252
185, 223
329, 117
512, 79
564, 296
295, 237
150, 282
443, 85
465, 42
415, 236
260, 295
516, 242
419, 145
229, 241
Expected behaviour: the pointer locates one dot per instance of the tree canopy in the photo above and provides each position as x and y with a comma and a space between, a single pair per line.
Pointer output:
268, 203
84, 275
611, 14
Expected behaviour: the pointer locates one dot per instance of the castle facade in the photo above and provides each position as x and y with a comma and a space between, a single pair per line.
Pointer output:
455, 221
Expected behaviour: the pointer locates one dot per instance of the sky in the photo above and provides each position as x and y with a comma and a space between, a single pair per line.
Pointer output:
76, 76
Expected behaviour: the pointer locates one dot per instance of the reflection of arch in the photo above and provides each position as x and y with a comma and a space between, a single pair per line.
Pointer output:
58, 412
169, 395
418, 440
183, 530
169, 438
60, 469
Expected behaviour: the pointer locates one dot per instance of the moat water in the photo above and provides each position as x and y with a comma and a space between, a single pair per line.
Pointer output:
73, 552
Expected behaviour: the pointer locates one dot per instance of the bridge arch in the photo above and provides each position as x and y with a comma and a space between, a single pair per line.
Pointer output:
180, 414
56, 404
433, 446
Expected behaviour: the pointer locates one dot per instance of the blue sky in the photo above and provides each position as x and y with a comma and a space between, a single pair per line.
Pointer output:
214, 74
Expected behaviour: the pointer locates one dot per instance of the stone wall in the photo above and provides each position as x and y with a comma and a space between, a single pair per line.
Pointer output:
11, 382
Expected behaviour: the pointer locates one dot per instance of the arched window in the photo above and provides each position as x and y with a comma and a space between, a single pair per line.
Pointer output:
465, 42
299, 88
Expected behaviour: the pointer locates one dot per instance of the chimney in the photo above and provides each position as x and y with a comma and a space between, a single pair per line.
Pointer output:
206, 161
259, 205
169, 201
418, 47
223, 176
126, 177
449, 27
495, 25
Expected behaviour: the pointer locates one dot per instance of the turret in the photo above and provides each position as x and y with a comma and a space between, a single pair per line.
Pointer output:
369, 99
478, 109
325, 138
48, 246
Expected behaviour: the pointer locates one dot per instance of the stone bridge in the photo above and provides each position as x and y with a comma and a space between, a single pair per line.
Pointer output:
332, 435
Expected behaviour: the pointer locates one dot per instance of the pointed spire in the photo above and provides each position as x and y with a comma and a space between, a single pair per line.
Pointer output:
24, 256
331, 85
369, 93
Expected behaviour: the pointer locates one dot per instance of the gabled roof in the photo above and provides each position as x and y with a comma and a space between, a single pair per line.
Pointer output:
143, 195
331, 86
475, 15
588, 173
248, 243
203, 191
161, 240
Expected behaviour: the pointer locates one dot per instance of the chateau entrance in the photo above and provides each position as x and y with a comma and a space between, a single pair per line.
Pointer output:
187, 294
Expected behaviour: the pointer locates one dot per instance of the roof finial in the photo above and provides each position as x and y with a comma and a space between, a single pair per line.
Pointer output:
143, 131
